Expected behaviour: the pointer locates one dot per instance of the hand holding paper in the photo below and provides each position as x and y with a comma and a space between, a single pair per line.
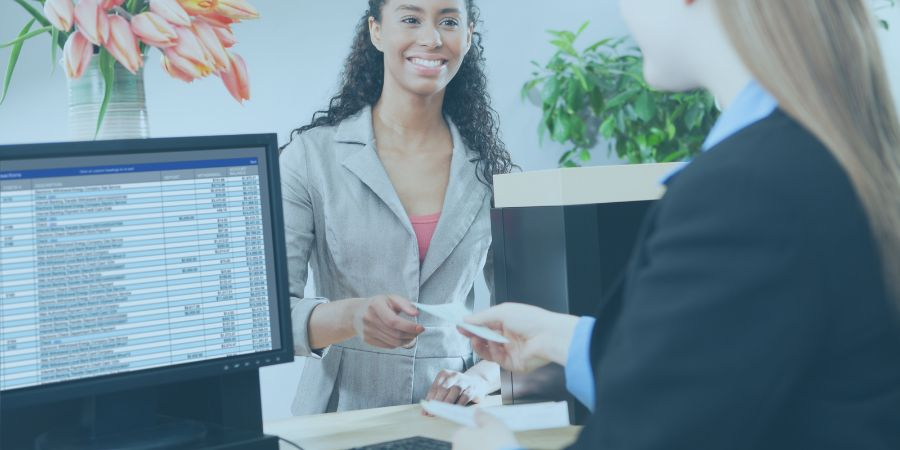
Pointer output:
456, 313
535, 337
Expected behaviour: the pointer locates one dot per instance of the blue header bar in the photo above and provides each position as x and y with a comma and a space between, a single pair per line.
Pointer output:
133, 168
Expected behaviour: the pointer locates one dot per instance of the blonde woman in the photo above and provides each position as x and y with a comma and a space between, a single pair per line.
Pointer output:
761, 308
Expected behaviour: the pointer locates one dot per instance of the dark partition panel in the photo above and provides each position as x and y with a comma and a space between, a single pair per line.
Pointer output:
561, 258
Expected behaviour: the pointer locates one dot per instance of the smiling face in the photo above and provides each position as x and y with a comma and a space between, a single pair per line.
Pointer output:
424, 42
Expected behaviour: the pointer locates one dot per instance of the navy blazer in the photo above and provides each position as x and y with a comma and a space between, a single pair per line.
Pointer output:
754, 313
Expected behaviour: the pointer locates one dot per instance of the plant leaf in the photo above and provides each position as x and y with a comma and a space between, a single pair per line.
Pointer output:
26, 36
13, 59
108, 69
34, 13
54, 49
645, 106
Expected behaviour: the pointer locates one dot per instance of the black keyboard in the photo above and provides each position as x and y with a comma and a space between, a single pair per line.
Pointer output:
413, 443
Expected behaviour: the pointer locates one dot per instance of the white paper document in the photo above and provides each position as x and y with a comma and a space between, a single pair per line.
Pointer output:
534, 416
455, 313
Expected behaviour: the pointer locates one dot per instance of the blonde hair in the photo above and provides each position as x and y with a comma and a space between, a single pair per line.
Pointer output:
822, 62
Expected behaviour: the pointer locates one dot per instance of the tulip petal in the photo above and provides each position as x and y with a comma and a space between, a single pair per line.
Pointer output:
154, 30
77, 54
226, 37
199, 7
122, 44
92, 21
172, 64
172, 11
210, 41
190, 48
235, 78
237, 9
60, 13
106, 5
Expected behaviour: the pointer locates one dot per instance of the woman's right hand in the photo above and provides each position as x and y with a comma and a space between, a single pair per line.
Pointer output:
378, 322
536, 336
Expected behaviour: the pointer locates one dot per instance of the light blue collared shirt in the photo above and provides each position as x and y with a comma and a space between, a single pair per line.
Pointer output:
751, 105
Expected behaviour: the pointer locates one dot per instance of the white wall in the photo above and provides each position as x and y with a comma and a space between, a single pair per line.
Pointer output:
295, 53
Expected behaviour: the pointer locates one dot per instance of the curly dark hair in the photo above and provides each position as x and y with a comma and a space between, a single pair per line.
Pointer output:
467, 102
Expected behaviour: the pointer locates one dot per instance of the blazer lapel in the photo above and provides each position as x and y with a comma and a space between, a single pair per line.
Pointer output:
462, 203
365, 165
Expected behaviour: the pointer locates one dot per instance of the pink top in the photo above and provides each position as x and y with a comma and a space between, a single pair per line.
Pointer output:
424, 227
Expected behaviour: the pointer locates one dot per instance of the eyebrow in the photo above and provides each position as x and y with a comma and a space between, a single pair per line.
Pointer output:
417, 9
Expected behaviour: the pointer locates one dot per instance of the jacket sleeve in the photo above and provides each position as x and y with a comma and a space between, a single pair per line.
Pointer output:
720, 318
300, 237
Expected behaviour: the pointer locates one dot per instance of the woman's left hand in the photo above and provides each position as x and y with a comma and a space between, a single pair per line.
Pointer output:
451, 386
489, 433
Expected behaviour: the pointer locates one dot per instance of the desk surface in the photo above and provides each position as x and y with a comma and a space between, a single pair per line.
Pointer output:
356, 428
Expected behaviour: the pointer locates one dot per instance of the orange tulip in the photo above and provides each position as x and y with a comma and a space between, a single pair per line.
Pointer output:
122, 44
179, 67
92, 21
237, 9
60, 13
191, 50
106, 5
172, 11
216, 20
210, 41
236, 80
199, 7
226, 37
154, 30
77, 54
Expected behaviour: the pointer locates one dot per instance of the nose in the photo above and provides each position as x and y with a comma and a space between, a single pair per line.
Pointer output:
430, 37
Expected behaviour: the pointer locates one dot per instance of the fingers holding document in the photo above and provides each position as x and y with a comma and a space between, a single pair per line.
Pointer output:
536, 337
380, 323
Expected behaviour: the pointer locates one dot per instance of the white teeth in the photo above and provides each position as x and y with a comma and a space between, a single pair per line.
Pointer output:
427, 62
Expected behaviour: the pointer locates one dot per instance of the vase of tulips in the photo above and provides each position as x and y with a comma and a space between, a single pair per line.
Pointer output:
106, 43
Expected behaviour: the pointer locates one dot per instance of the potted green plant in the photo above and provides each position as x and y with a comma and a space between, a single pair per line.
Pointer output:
601, 92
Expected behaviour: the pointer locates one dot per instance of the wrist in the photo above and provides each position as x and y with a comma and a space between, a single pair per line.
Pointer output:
556, 341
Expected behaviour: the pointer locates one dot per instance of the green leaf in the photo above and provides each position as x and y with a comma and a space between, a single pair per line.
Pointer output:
566, 156
551, 91
581, 79
597, 45
582, 28
585, 155
54, 49
561, 128
694, 116
885, 24
108, 69
621, 99
608, 127
645, 106
26, 36
13, 59
39, 16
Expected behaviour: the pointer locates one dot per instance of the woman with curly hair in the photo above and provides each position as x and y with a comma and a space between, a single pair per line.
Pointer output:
387, 195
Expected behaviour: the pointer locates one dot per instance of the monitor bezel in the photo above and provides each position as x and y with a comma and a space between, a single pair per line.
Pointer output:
106, 384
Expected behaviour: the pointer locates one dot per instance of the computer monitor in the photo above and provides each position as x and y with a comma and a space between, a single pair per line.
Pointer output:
127, 264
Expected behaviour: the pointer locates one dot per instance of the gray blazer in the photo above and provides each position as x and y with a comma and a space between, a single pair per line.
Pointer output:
344, 218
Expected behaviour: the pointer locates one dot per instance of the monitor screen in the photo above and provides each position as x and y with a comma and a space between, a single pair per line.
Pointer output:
133, 261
